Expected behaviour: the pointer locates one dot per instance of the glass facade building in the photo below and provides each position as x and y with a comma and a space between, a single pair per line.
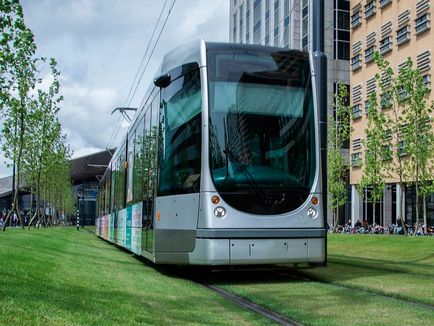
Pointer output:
288, 24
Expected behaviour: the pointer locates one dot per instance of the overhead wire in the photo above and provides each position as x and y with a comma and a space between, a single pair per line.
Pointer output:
115, 132
146, 52
152, 52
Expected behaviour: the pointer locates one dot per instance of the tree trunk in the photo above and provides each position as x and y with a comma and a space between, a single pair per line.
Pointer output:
337, 216
401, 209
31, 203
373, 212
425, 219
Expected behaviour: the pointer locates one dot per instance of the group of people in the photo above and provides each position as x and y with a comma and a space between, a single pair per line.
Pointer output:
13, 219
365, 228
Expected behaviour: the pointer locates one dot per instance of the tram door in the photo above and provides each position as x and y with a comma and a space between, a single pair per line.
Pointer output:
151, 152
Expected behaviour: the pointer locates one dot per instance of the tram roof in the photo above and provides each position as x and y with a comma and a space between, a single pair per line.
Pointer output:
191, 52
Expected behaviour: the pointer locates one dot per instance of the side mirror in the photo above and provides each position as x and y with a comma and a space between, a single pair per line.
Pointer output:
163, 81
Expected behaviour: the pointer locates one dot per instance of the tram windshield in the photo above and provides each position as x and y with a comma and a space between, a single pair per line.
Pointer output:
262, 144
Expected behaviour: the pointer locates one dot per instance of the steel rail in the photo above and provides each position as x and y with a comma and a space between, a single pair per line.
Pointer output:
250, 305
354, 288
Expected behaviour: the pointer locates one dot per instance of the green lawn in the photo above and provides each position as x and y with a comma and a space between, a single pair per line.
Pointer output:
66, 277
397, 266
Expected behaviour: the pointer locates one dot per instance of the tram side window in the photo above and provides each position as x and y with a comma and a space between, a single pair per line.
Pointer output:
107, 194
139, 162
98, 200
180, 123
131, 164
121, 179
153, 146
112, 188
115, 184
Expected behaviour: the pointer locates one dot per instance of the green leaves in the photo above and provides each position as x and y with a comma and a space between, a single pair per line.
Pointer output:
339, 131
399, 137
31, 134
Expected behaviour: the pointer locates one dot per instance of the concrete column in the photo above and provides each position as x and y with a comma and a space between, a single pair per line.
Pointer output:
355, 205
387, 205
400, 212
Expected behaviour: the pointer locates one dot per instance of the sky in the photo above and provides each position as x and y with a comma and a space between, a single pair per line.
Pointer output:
99, 44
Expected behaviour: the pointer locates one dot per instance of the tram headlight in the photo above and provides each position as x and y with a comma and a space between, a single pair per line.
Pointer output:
219, 212
312, 213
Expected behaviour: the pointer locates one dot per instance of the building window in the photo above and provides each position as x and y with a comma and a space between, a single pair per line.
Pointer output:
367, 107
285, 40
369, 54
388, 134
386, 100
356, 19
385, 3
341, 30
356, 111
305, 26
370, 9
403, 95
241, 24
401, 148
257, 22
267, 23
386, 45
247, 22
403, 35
427, 80
422, 24
234, 28
356, 62
356, 159
276, 22
386, 153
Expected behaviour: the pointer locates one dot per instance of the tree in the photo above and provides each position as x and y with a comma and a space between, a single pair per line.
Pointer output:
31, 134
418, 133
339, 132
409, 128
18, 77
43, 132
375, 154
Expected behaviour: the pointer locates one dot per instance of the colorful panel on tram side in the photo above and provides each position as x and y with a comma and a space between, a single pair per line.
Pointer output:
105, 227
136, 230
122, 217
128, 227
112, 227
102, 226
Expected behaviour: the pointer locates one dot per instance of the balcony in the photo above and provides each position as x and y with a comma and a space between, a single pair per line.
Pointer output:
356, 20
385, 3
403, 35
356, 62
356, 112
386, 45
369, 54
356, 159
370, 10
422, 24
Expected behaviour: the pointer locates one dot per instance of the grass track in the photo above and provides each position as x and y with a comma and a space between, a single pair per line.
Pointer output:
396, 267
66, 277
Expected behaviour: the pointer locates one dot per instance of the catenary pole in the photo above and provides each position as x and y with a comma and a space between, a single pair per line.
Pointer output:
320, 71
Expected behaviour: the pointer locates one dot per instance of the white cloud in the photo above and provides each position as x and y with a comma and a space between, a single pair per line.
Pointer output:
98, 45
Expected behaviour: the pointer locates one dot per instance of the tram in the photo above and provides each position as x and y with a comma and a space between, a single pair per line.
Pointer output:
222, 162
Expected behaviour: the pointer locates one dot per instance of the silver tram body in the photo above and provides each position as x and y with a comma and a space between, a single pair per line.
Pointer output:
233, 135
